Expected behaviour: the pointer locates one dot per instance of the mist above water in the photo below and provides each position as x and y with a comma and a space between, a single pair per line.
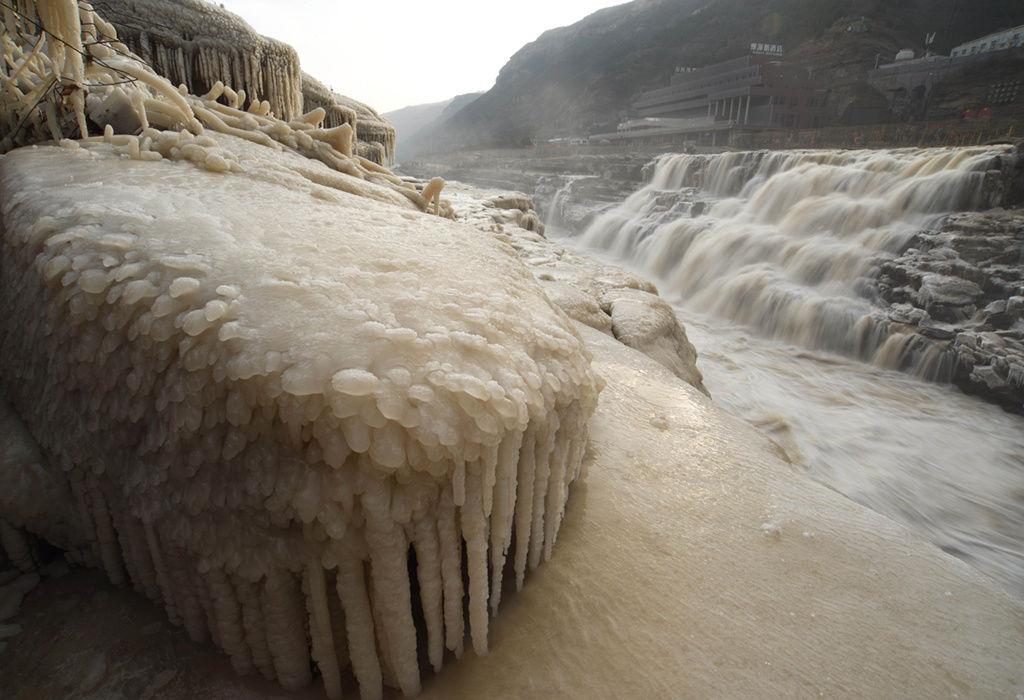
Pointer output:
768, 257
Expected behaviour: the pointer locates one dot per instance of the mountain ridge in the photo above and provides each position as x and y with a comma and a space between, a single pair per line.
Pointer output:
579, 79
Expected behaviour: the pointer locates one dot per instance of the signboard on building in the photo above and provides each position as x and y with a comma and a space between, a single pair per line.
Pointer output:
759, 49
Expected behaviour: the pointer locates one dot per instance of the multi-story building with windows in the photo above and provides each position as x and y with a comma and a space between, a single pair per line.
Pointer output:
757, 91
749, 91
997, 41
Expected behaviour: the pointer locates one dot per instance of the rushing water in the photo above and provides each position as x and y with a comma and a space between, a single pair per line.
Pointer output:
767, 257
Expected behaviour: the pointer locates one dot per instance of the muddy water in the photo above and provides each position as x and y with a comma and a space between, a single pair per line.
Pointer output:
765, 257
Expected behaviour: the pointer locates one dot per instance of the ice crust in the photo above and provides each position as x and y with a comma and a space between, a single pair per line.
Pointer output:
243, 398
262, 377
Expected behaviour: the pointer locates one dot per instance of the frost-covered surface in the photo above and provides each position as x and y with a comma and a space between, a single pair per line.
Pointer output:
196, 43
253, 402
702, 565
67, 71
606, 297
694, 563
375, 133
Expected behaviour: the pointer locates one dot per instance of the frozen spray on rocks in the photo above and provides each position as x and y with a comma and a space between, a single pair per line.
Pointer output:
258, 412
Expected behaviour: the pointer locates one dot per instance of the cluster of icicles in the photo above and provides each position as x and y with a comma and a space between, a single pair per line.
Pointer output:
64, 67
785, 241
289, 508
196, 43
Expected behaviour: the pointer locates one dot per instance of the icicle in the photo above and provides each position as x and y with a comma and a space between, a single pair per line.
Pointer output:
359, 627
428, 572
389, 576
540, 490
253, 621
202, 594
227, 617
451, 573
286, 629
141, 555
185, 595
163, 580
320, 628
474, 531
502, 512
524, 503
105, 536
128, 556
337, 619
555, 493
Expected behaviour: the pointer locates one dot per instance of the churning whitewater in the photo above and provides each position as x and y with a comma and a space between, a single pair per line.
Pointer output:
789, 245
786, 241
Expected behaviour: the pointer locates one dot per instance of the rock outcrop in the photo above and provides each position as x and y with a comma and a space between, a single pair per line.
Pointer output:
958, 291
605, 297
195, 44
376, 135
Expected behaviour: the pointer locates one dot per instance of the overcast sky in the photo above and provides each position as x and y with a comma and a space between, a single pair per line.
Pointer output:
400, 53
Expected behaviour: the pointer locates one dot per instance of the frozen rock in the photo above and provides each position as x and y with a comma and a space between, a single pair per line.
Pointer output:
578, 305
579, 285
187, 369
376, 134
195, 44
94, 674
647, 322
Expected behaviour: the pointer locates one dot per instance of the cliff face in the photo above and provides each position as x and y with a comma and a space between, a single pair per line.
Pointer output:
197, 43
580, 78
415, 124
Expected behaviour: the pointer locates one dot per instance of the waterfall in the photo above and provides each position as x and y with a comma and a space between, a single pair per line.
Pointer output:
788, 243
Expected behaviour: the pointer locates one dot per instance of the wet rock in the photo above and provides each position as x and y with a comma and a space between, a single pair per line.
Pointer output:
511, 201
578, 305
961, 287
14, 592
93, 675
907, 314
158, 683
647, 323
937, 332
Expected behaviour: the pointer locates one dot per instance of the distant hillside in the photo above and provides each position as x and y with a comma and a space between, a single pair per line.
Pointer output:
579, 79
410, 121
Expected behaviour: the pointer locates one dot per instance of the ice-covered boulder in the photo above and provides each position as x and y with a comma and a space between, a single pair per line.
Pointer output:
245, 355
250, 402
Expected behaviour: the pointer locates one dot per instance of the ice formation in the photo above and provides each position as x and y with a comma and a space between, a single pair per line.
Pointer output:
195, 44
376, 135
263, 415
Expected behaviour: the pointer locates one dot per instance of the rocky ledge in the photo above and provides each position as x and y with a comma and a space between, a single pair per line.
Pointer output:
958, 291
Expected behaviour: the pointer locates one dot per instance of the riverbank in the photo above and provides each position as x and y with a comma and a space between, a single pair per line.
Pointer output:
693, 562
694, 559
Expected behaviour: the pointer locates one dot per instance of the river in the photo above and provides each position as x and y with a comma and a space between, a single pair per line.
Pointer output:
768, 259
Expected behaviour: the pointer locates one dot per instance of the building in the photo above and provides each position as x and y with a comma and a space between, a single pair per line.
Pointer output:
997, 41
757, 90
908, 83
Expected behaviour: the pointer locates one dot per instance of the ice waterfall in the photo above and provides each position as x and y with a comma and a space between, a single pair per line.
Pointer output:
790, 242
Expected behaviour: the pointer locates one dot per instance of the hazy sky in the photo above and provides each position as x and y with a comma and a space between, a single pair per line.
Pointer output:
399, 53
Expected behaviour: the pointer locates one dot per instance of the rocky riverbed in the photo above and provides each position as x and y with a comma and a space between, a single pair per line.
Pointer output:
960, 288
